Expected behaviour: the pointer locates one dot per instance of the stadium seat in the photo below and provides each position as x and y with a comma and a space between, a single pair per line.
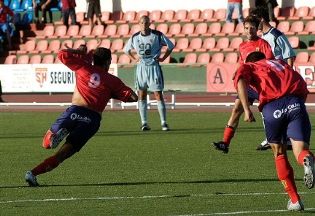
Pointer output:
10, 59
231, 57
203, 58
187, 30
235, 44
207, 45
68, 42
23, 59
168, 15
294, 41
311, 14
155, 15
227, 28
77, 43
309, 28
217, 58
92, 44
181, 44
190, 58
300, 13
193, 15
194, 44
222, 44
97, 31
124, 59
246, 12
48, 59
110, 30
162, 27
181, 15
302, 57
140, 14
312, 58
117, 16
41, 46
201, 29
134, 28
48, 32
214, 29
35, 59
220, 14
72, 31
85, 30
117, 45
284, 26
174, 29
129, 16
60, 31
206, 15
286, 13
296, 28
80, 18
114, 59
27, 47
311, 47
239, 30
106, 15
122, 30
57, 60
54, 46
105, 43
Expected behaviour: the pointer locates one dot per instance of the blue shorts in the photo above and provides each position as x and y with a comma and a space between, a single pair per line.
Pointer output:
286, 118
82, 124
149, 77
252, 95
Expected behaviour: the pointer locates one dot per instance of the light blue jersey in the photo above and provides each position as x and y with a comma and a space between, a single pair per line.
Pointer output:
279, 43
148, 47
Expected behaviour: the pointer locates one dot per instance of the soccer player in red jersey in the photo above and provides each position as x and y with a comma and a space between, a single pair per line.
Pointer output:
282, 94
94, 88
253, 43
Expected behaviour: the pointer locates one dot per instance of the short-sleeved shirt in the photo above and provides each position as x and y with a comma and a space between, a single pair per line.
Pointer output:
148, 47
279, 43
66, 4
94, 83
250, 46
272, 79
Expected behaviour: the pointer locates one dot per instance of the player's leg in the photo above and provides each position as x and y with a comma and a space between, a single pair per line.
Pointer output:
161, 109
143, 109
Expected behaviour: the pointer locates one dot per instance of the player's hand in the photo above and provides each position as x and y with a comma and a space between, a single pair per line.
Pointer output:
248, 116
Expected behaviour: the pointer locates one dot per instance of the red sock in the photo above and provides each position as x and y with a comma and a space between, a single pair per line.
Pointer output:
46, 166
228, 134
302, 156
286, 176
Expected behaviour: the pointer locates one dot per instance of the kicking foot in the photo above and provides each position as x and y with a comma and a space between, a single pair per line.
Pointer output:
31, 179
298, 206
221, 146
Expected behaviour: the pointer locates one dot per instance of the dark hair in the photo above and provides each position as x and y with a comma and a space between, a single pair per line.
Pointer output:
101, 55
252, 19
261, 13
255, 56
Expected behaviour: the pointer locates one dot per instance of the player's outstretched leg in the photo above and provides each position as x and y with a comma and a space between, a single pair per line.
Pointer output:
52, 140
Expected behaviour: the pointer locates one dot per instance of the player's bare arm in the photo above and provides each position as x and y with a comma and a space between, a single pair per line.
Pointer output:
242, 93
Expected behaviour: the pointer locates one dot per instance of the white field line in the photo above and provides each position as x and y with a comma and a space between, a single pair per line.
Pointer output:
140, 197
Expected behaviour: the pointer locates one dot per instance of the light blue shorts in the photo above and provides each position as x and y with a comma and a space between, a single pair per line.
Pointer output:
149, 77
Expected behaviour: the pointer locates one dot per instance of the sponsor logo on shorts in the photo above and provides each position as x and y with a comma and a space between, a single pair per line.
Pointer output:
76, 116
278, 113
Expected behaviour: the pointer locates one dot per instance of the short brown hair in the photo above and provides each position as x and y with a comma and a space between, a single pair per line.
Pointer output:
101, 55
252, 19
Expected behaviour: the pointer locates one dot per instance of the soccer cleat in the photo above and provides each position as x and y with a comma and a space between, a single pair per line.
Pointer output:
221, 146
31, 179
165, 127
264, 145
298, 206
309, 171
52, 140
145, 127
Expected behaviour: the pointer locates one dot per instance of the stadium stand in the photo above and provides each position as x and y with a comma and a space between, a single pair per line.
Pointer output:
155, 15
181, 45
309, 28
294, 41
190, 58
35, 59
312, 58
203, 58
10, 59
194, 44
124, 59
48, 59
168, 15
217, 58
231, 57
302, 57
23, 59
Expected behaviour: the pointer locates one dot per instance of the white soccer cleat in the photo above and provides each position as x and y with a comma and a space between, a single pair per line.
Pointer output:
58, 137
298, 206
31, 179
309, 171
165, 127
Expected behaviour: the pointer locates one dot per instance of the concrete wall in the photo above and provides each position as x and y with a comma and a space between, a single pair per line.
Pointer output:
137, 5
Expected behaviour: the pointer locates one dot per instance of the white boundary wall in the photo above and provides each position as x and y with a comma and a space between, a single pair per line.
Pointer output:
137, 5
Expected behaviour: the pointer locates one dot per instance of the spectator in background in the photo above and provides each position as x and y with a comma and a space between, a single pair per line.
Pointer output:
94, 8
44, 6
4, 24
235, 4
68, 9
271, 4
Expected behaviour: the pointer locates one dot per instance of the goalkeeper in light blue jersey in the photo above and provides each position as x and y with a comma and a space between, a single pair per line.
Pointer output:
149, 76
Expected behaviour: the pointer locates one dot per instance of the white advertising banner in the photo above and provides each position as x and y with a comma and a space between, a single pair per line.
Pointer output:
39, 78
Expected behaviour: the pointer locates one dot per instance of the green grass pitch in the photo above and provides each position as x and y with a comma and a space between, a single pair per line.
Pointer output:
123, 171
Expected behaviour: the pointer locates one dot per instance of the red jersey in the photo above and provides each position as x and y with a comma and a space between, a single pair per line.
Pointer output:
4, 11
272, 79
254, 45
94, 83
66, 4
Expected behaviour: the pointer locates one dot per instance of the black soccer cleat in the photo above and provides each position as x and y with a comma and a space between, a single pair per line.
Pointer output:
221, 146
